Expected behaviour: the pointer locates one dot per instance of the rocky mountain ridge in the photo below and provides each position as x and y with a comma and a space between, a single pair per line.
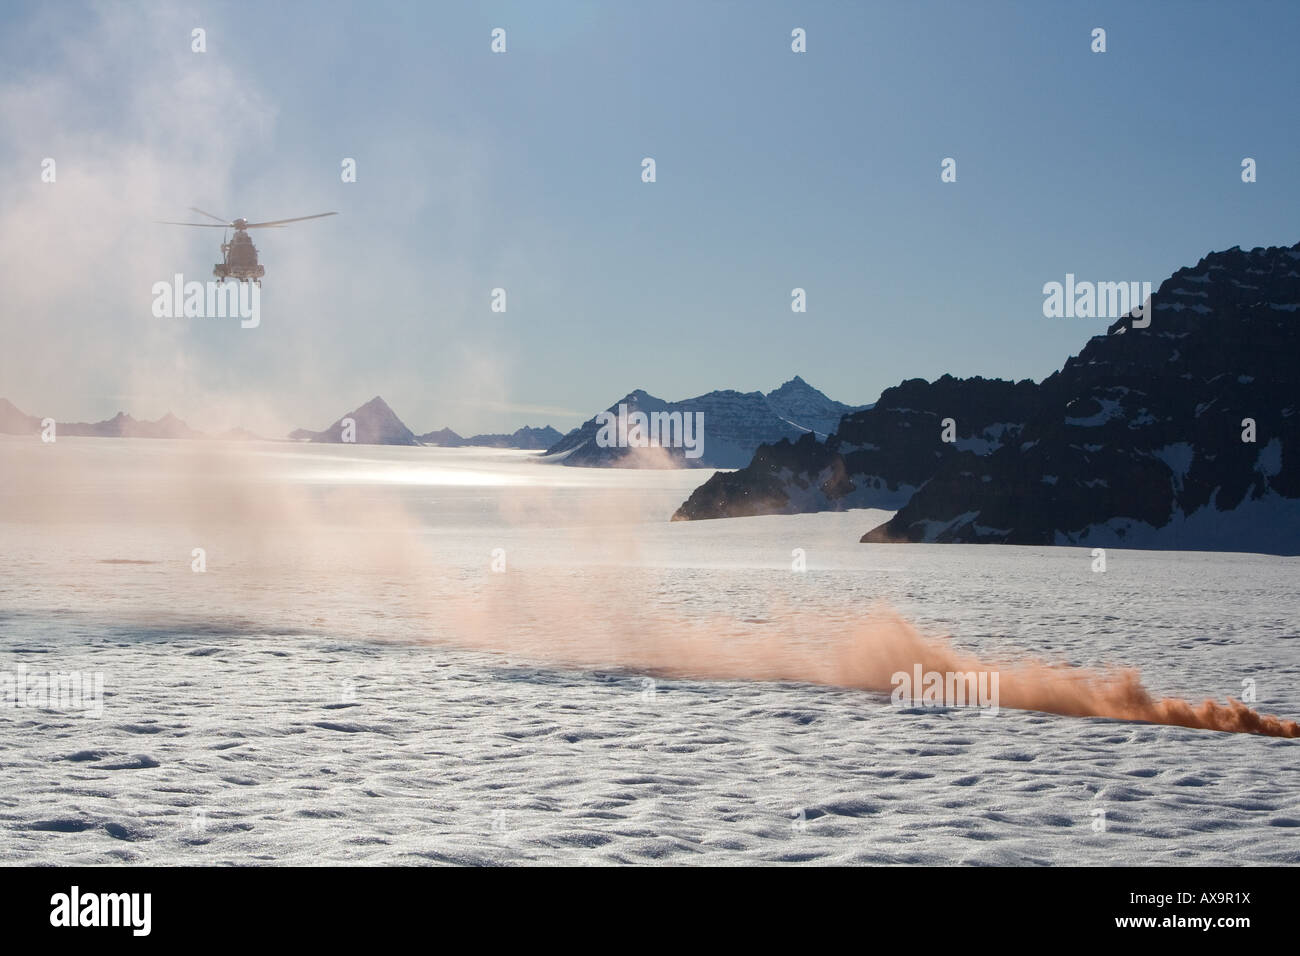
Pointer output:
1182, 434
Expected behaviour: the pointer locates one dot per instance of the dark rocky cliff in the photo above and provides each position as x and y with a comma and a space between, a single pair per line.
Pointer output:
1137, 441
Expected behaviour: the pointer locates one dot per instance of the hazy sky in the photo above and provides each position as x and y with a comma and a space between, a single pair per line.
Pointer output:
522, 170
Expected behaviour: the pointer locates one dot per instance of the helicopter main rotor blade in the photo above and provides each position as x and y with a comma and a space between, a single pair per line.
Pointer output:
225, 222
281, 222
205, 225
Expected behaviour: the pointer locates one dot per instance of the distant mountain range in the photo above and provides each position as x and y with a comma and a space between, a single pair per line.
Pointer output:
1136, 442
526, 437
734, 425
374, 424
377, 424
121, 425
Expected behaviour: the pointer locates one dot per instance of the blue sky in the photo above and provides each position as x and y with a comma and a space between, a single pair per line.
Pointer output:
522, 170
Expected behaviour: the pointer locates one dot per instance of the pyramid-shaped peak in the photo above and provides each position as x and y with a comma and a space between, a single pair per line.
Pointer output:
374, 423
793, 387
795, 384
638, 398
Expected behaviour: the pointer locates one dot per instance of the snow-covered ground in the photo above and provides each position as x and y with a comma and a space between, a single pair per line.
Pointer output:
310, 698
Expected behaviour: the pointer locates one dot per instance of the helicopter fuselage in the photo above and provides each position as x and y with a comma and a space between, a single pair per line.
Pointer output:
239, 259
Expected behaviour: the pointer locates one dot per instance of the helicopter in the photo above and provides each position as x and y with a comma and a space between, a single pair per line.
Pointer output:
238, 254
